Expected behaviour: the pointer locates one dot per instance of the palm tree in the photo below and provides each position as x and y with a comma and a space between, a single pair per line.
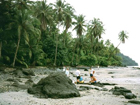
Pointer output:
60, 9
22, 4
6, 7
44, 13
95, 30
107, 43
79, 27
122, 37
18, 19
24, 27
68, 20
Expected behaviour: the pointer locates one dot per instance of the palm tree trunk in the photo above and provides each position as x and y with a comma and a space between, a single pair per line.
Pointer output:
78, 51
113, 50
0, 48
91, 44
16, 51
56, 48
74, 51
65, 32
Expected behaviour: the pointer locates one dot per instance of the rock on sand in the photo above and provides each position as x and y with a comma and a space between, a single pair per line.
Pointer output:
56, 85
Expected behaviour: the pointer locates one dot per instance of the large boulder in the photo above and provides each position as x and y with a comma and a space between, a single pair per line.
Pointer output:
56, 85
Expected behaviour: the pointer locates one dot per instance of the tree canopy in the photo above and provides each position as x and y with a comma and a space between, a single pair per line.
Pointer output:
37, 34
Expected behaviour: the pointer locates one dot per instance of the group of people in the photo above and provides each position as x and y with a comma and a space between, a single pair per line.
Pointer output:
79, 77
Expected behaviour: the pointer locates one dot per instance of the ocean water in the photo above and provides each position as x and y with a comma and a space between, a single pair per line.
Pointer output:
134, 66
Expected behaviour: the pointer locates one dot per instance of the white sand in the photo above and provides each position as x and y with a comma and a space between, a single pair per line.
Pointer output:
125, 77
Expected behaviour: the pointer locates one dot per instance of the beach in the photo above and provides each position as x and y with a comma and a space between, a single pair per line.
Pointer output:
127, 77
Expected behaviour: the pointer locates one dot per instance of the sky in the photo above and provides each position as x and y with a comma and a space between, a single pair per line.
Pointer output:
116, 15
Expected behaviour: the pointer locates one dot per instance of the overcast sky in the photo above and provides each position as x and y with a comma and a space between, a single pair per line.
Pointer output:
116, 15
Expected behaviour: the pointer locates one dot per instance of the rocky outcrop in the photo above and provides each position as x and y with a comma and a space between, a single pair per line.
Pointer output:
24, 73
123, 91
56, 85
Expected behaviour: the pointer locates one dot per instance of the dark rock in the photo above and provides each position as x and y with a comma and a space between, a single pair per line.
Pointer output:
19, 73
101, 84
10, 79
86, 74
117, 93
110, 72
2, 68
56, 85
129, 95
85, 69
28, 72
36, 89
123, 91
29, 83
134, 101
82, 89
86, 87
96, 88
24, 73
104, 89
97, 84
108, 83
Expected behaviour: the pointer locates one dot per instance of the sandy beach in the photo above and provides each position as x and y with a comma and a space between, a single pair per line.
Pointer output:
126, 77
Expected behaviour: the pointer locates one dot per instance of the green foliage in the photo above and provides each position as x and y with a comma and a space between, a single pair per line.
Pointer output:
6, 60
90, 60
103, 61
30, 35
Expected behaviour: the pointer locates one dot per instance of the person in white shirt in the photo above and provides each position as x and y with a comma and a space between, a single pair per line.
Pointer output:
93, 79
77, 72
64, 68
67, 72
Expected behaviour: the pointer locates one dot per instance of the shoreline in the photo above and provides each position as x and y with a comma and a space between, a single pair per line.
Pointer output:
122, 76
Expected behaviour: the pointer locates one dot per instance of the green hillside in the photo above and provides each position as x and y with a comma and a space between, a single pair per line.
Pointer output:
127, 61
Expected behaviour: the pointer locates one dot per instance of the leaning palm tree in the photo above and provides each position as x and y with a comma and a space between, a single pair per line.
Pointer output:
24, 27
122, 37
79, 28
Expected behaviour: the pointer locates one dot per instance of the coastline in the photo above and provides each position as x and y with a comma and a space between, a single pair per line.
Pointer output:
127, 77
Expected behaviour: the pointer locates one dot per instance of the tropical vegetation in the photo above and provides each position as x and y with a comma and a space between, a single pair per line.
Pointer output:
38, 34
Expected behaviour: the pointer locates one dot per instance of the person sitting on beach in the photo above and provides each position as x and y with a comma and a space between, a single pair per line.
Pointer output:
77, 75
93, 79
64, 68
67, 72
81, 80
